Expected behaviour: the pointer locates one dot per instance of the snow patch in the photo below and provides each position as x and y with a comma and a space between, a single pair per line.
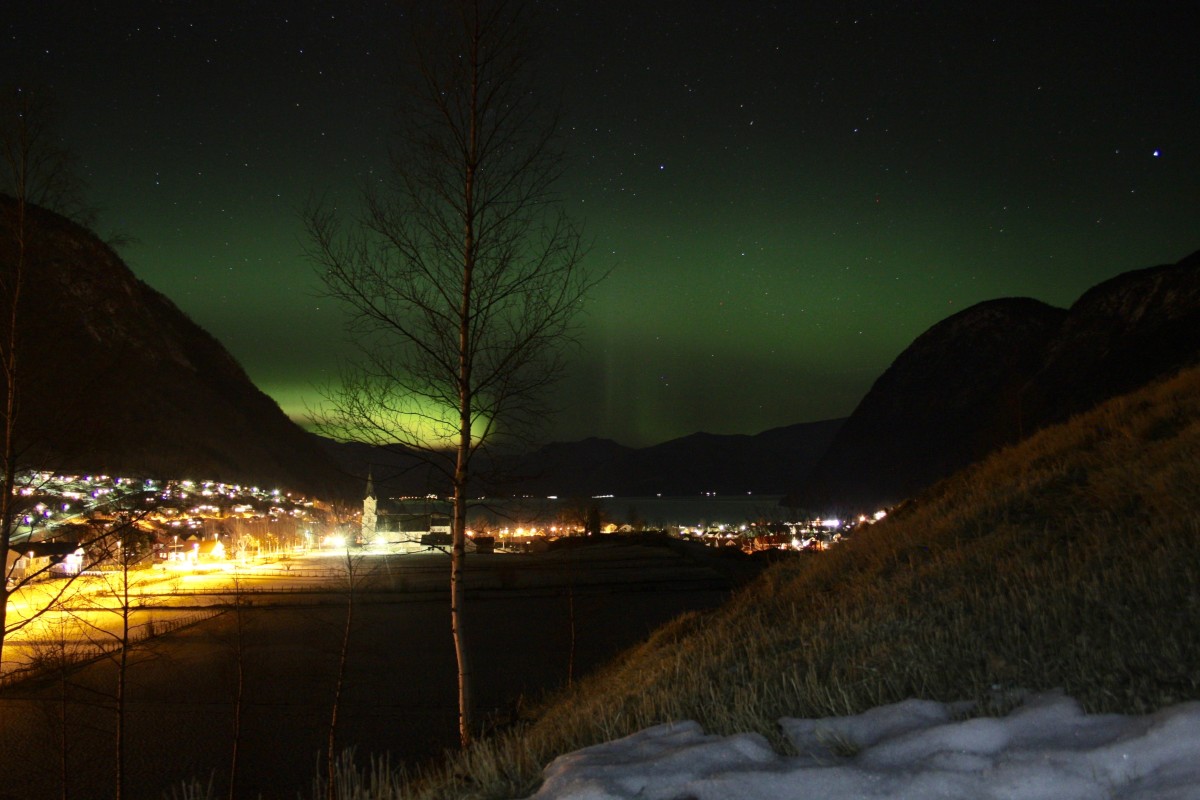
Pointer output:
1045, 749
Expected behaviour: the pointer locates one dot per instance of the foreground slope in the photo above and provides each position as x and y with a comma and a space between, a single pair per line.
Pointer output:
114, 377
1068, 561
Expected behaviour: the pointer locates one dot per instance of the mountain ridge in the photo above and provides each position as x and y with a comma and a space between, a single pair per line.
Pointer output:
116, 378
996, 372
762, 463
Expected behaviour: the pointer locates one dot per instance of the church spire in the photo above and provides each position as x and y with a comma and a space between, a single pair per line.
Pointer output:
370, 485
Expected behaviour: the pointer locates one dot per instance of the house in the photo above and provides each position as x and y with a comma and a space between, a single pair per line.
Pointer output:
194, 550
44, 560
211, 550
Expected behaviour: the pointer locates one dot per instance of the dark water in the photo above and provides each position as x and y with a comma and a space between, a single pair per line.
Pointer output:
399, 695
658, 512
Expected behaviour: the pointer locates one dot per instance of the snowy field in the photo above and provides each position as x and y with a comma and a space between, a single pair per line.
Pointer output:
1045, 749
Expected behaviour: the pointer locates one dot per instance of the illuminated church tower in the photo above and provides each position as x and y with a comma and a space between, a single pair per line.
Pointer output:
369, 516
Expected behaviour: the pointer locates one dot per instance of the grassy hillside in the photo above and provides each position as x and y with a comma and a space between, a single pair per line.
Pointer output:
1071, 560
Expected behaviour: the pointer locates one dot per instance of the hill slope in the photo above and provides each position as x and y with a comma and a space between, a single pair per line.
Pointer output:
1069, 560
115, 378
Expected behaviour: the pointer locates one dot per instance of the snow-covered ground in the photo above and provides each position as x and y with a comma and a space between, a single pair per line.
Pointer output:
1045, 749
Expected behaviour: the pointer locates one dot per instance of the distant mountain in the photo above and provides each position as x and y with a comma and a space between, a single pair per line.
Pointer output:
996, 372
767, 463
115, 378
763, 463
394, 472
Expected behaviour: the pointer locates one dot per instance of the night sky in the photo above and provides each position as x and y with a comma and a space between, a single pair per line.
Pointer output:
788, 193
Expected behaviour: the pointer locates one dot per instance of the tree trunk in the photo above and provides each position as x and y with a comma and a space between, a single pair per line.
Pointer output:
122, 668
457, 595
343, 657
458, 553
458, 589
239, 689
9, 365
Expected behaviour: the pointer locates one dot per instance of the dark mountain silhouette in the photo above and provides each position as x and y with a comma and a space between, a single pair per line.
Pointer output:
763, 463
996, 372
115, 378
766, 463
946, 401
1118, 336
394, 471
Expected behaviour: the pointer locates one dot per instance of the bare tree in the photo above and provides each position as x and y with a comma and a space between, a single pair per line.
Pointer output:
462, 274
35, 169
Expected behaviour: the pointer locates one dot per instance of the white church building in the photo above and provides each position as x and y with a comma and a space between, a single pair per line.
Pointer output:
404, 525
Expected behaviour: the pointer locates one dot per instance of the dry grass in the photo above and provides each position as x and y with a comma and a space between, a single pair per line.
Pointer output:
1071, 560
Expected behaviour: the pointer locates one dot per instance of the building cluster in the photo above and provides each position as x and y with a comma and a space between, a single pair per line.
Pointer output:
413, 523
812, 535
65, 523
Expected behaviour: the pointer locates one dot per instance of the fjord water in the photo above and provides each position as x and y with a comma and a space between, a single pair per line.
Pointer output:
654, 512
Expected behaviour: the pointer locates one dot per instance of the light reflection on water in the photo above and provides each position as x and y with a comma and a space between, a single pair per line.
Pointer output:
656, 512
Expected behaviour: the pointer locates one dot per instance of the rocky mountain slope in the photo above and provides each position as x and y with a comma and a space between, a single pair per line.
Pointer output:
114, 378
1000, 370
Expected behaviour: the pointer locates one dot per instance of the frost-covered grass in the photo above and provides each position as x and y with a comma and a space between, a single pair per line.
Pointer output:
1069, 561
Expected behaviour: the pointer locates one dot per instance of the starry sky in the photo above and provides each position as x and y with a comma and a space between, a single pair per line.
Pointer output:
787, 193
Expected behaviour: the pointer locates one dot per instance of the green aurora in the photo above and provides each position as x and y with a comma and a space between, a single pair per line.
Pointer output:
787, 194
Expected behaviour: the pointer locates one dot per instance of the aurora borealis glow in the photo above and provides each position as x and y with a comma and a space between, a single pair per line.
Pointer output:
788, 193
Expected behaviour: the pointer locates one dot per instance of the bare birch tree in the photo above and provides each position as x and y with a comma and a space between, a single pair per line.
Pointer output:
462, 274
35, 169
